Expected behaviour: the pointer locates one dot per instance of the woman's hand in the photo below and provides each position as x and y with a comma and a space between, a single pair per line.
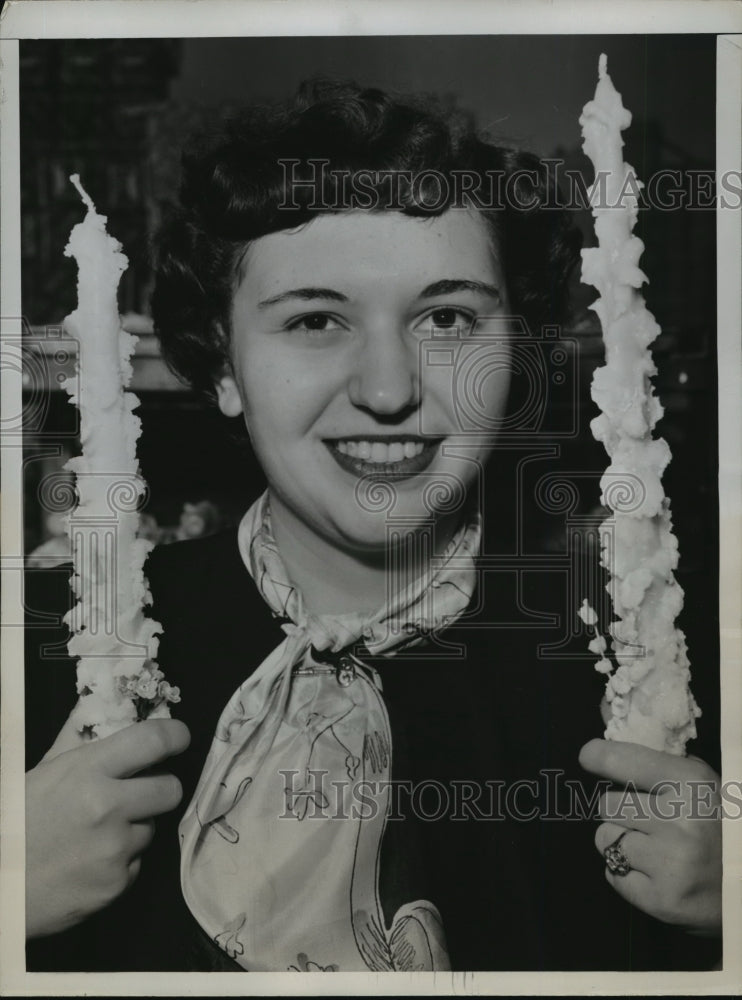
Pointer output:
88, 820
669, 809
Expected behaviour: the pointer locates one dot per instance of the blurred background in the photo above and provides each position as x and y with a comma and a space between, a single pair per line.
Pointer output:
117, 112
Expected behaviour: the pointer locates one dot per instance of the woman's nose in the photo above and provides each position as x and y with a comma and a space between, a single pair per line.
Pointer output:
386, 378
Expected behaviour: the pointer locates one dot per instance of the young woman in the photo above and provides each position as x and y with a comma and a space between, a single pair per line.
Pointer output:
377, 776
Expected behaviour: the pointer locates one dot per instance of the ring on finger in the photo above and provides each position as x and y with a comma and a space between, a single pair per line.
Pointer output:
615, 859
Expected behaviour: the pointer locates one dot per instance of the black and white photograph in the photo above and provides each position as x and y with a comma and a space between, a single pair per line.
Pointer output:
371, 499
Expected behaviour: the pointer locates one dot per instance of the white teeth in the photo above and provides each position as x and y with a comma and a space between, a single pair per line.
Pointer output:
380, 452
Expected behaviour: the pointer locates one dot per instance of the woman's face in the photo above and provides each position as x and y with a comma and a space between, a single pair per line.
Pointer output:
370, 359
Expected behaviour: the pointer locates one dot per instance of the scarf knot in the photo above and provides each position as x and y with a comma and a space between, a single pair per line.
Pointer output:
271, 889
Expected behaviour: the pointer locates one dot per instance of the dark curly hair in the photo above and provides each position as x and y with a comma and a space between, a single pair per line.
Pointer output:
252, 179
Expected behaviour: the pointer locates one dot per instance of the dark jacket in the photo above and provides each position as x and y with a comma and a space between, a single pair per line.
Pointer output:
486, 731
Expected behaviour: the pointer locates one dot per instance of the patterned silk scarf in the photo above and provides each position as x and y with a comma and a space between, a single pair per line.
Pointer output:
280, 845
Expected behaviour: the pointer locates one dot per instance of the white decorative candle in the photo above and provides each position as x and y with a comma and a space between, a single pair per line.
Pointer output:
647, 695
117, 680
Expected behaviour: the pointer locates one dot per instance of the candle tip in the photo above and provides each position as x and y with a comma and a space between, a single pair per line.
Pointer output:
75, 178
602, 65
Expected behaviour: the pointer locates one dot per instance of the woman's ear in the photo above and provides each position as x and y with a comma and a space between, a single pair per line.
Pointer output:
228, 396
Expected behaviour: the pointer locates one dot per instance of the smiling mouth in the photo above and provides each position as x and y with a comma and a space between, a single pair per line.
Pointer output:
387, 457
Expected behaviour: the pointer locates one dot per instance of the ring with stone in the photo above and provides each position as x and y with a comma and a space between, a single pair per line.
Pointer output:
618, 863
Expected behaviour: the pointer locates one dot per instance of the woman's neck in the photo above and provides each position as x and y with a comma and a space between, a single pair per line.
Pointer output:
338, 581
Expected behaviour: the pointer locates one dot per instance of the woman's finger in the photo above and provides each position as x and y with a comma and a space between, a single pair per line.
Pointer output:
641, 766
142, 833
68, 738
153, 795
636, 847
636, 888
627, 808
640, 810
140, 746
133, 868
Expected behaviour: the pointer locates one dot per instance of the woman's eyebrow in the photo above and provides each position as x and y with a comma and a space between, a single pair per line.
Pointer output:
446, 286
305, 294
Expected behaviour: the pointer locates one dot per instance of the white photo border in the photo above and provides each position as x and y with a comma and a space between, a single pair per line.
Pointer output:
222, 18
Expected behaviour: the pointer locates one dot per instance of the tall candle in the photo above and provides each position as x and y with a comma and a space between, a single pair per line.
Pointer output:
117, 678
648, 697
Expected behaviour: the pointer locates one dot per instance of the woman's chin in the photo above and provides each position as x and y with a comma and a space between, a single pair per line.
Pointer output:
375, 536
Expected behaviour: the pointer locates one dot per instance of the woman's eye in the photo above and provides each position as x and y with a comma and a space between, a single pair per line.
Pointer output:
448, 318
444, 317
315, 323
